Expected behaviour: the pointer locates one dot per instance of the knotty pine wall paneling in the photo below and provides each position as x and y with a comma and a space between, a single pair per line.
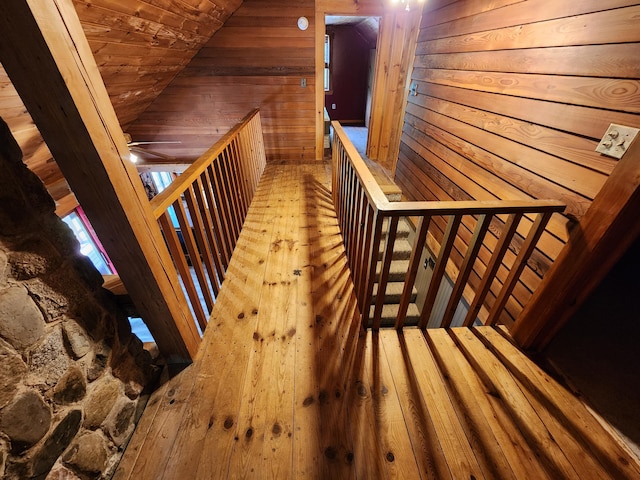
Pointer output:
256, 60
513, 97
140, 46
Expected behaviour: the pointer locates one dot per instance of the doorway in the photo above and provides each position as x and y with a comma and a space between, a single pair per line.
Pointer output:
349, 58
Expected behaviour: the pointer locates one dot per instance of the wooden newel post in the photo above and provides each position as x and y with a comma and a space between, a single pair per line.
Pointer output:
47, 57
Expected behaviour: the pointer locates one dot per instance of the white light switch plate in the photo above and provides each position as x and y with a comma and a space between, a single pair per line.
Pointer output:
616, 140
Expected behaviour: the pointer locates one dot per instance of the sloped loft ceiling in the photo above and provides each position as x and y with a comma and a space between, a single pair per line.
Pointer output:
258, 59
139, 47
368, 26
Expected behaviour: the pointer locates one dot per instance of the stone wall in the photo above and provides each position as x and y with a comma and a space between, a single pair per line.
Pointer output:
71, 372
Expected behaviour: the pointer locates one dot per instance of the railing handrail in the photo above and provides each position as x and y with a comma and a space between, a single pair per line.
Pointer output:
362, 208
202, 212
372, 189
379, 200
169, 195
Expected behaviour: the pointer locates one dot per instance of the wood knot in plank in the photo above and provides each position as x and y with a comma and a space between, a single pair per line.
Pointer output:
240, 315
276, 430
249, 433
330, 453
362, 390
228, 423
390, 457
307, 401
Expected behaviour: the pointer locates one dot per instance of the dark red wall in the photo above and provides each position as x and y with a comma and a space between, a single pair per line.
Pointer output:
349, 73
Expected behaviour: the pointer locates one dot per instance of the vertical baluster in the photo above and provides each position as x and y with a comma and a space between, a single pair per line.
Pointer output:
441, 264
506, 235
414, 261
341, 180
364, 256
196, 206
244, 144
208, 214
228, 186
183, 269
235, 172
352, 215
371, 261
225, 198
346, 192
482, 226
194, 254
358, 237
514, 275
336, 181
385, 266
350, 210
238, 166
215, 212
252, 156
218, 193
245, 161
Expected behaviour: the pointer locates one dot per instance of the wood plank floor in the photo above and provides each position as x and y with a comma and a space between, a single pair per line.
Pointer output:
287, 386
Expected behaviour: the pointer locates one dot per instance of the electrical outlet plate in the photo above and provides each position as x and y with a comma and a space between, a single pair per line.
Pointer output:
616, 140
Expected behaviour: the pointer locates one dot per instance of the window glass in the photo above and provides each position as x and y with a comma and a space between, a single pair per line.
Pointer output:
88, 245
327, 63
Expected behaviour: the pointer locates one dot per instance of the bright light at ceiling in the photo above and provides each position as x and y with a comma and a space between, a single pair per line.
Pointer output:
133, 157
407, 3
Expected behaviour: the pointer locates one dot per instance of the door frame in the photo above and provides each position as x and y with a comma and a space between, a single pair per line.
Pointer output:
395, 53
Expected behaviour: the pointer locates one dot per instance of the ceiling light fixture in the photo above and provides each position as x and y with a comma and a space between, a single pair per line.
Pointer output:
407, 3
133, 157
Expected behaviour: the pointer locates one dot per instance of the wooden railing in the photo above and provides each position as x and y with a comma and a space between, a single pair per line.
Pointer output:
368, 220
209, 202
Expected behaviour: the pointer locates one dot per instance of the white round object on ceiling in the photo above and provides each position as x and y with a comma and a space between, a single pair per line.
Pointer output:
303, 23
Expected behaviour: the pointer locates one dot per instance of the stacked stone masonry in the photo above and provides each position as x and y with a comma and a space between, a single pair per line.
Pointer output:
72, 374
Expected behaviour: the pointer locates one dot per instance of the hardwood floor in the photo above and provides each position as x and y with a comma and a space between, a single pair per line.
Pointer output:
287, 386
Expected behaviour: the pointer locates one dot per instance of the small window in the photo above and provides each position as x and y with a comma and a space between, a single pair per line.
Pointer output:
90, 246
162, 180
327, 63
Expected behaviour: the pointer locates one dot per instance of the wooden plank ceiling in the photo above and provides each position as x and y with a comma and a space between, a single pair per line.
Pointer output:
139, 47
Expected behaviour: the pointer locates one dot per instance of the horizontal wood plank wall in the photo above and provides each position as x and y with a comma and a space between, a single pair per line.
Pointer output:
512, 100
140, 46
257, 59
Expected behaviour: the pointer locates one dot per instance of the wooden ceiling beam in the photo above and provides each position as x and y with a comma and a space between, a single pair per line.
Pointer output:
48, 59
